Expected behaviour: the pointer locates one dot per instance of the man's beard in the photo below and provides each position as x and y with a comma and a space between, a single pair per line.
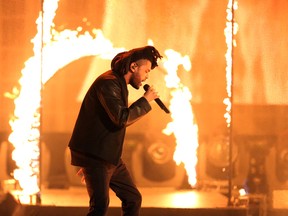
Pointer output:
134, 84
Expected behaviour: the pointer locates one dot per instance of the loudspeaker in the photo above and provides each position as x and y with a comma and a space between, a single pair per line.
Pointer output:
158, 164
217, 157
257, 178
213, 161
277, 168
282, 157
152, 163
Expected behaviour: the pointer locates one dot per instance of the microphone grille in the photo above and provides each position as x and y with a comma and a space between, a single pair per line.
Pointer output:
146, 87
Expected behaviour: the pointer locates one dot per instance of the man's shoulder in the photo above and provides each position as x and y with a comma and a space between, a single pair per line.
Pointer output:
108, 78
108, 75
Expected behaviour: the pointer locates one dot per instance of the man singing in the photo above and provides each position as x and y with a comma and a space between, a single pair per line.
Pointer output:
97, 139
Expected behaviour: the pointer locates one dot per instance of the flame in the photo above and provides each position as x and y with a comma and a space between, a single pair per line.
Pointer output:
229, 31
25, 124
52, 51
183, 125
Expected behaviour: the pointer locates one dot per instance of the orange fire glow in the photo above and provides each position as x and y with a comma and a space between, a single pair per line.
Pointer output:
59, 49
183, 125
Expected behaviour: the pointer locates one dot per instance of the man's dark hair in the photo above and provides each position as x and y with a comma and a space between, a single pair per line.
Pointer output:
121, 62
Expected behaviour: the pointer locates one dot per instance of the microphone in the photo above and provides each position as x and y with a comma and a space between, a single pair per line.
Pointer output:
157, 100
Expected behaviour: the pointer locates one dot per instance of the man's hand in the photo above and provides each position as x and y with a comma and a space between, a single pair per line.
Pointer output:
151, 94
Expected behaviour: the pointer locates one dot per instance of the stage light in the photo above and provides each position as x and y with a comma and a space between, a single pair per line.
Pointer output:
282, 157
217, 158
158, 158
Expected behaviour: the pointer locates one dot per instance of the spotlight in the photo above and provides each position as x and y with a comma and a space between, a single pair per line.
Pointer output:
282, 157
218, 157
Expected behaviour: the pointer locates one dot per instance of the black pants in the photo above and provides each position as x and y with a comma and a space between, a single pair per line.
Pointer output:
104, 176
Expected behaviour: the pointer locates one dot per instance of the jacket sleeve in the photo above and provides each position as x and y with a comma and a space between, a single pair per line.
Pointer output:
114, 102
138, 109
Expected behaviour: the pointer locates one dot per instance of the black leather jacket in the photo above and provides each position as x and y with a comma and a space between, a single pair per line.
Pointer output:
104, 115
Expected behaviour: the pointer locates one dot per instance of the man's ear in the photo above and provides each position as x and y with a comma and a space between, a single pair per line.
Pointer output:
133, 66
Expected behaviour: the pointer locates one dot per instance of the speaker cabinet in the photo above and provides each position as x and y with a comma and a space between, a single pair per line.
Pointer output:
152, 163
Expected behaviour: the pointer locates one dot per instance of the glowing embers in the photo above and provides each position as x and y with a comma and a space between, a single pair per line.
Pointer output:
183, 123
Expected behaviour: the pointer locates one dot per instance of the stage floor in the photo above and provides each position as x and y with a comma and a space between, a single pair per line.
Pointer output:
163, 197
157, 201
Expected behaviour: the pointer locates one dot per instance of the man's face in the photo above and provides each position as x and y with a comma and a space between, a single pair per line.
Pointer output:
140, 73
